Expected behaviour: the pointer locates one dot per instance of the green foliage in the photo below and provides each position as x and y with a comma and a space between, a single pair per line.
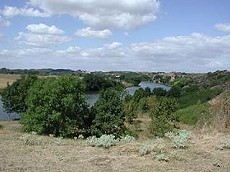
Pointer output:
182, 81
159, 92
141, 93
175, 91
95, 82
130, 110
13, 96
109, 116
134, 78
198, 96
56, 106
163, 118
192, 114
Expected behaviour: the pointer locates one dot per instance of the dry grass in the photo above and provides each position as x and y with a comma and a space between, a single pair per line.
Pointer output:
42, 153
7, 78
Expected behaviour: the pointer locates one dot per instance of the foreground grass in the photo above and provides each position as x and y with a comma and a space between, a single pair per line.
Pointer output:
28, 152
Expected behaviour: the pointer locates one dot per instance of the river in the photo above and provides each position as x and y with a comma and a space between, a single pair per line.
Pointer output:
151, 85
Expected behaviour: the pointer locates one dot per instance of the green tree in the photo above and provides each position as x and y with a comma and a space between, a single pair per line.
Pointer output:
175, 91
56, 106
109, 118
163, 118
95, 82
13, 96
130, 110
159, 92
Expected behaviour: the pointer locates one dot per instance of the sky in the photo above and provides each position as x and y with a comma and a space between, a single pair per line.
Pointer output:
112, 35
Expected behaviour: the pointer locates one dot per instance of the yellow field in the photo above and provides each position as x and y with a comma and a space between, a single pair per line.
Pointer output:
7, 78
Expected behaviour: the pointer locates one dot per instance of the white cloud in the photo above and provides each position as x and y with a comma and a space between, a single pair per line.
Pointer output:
90, 33
192, 53
4, 22
44, 29
103, 14
14, 11
113, 45
225, 27
42, 35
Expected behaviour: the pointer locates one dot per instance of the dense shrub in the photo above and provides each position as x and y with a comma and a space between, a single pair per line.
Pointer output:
56, 106
13, 96
96, 82
109, 116
163, 118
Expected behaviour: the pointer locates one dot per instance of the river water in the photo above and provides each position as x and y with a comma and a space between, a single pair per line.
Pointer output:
93, 97
151, 85
6, 116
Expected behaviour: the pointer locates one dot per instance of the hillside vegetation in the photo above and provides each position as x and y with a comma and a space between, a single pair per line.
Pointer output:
184, 129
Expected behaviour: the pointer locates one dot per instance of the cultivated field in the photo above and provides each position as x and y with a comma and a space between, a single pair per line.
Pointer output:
7, 78
23, 152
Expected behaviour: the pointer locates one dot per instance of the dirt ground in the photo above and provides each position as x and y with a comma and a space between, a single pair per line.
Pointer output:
27, 152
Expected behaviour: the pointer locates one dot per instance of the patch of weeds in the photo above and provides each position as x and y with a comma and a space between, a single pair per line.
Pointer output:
176, 156
216, 163
161, 156
105, 141
30, 141
180, 139
144, 150
127, 139
159, 144
1, 127
58, 141
224, 145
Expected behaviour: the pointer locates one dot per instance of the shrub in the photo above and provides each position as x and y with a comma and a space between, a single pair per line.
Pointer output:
127, 139
224, 145
163, 118
144, 150
179, 139
13, 96
105, 141
109, 116
56, 106
161, 156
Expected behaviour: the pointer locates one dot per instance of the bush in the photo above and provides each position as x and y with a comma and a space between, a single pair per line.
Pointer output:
105, 141
109, 116
179, 139
56, 106
163, 118
13, 96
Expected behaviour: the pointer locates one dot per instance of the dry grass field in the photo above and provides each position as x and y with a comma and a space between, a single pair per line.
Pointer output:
23, 152
7, 78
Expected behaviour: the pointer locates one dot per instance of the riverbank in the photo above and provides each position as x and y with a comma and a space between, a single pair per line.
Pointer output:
23, 152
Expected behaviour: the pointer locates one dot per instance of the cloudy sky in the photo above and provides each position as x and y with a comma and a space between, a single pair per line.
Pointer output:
106, 35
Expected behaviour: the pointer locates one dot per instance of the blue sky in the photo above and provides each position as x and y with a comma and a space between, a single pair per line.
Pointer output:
102, 35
